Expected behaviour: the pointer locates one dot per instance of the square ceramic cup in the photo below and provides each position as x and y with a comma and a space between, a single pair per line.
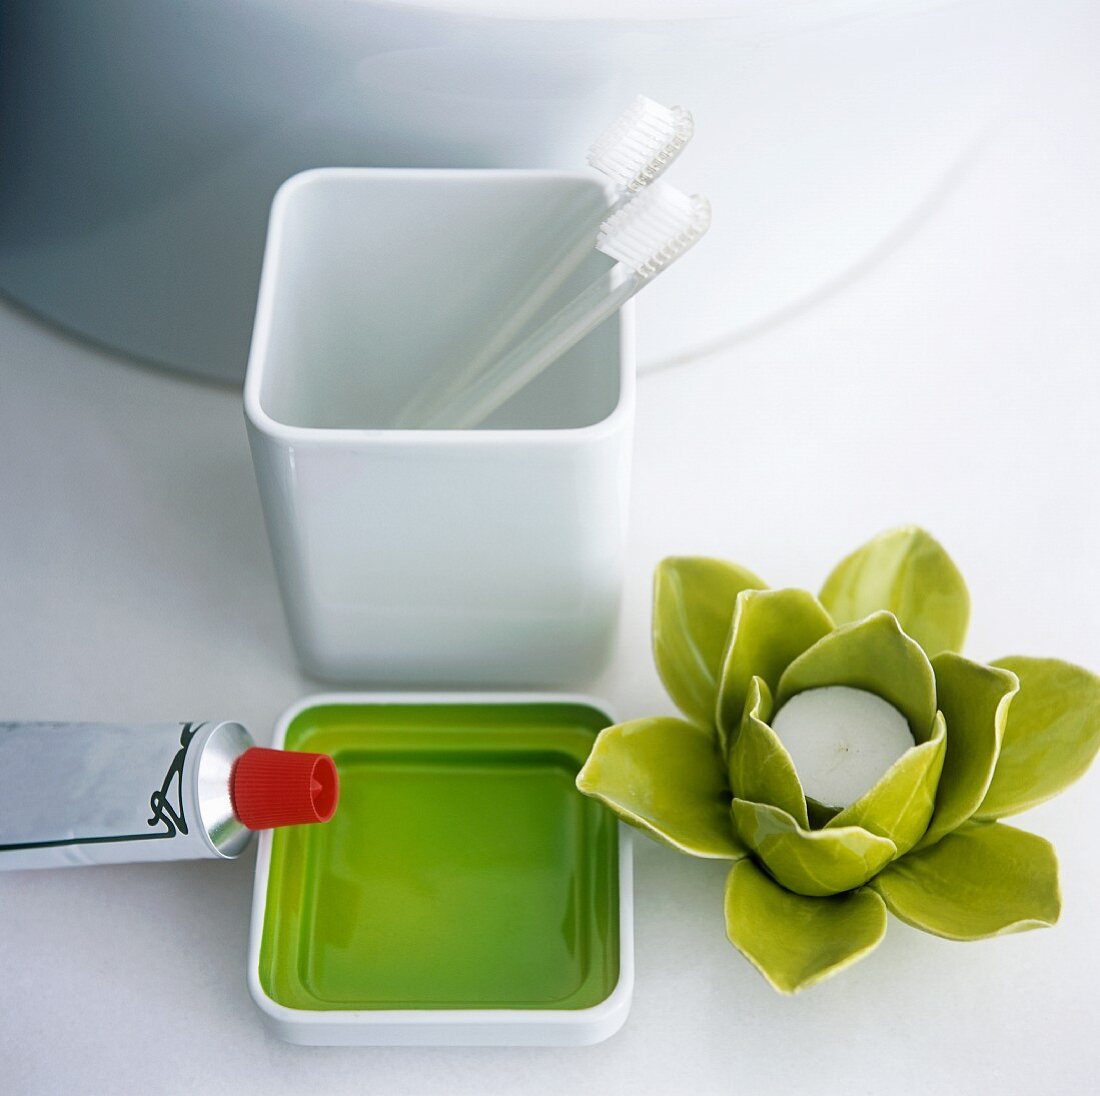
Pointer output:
489, 556
464, 892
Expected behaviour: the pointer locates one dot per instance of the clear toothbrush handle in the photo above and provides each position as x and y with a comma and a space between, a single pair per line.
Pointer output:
432, 401
645, 234
526, 360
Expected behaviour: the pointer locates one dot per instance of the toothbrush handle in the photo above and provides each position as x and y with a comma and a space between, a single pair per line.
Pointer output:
431, 401
525, 361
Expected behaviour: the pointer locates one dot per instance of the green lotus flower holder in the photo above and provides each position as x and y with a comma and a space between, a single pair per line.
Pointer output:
811, 882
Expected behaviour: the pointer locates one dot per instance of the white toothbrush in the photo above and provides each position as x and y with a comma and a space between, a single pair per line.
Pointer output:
641, 143
632, 152
645, 235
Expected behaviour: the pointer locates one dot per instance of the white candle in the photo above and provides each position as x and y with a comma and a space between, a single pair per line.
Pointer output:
841, 740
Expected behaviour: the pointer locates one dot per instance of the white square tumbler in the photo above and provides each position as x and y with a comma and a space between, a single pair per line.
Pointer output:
489, 556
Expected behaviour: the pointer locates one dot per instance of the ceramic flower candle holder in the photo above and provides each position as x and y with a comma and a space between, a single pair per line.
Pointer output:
812, 880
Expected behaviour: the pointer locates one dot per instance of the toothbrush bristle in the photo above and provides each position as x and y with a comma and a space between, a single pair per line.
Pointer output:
641, 143
654, 228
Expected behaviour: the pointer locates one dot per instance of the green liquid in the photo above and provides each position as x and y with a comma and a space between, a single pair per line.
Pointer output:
462, 868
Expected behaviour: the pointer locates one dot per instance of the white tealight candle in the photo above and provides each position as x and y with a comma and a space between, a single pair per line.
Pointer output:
841, 740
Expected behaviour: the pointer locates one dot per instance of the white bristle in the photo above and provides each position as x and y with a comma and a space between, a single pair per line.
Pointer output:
641, 143
654, 228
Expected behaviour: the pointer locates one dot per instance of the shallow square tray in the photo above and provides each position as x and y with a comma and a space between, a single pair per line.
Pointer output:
464, 892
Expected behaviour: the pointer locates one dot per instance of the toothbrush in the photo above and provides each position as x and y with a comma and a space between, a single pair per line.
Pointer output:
632, 152
641, 143
645, 236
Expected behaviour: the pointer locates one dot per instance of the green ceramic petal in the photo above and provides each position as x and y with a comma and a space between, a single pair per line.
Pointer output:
664, 776
693, 602
900, 804
812, 862
770, 629
760, 768
1050, 738
975, 701
820, 814
872, 654
981, 880
908, 572
795, 941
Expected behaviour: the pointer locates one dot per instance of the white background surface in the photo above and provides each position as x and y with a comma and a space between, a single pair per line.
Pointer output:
953, 383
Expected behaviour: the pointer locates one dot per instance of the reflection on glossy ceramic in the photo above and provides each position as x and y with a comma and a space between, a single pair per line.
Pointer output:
463, 869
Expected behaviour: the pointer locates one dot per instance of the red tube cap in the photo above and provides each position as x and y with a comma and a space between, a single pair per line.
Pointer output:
269, 788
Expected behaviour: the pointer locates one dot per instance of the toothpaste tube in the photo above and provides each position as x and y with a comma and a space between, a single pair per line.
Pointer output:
89, 793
